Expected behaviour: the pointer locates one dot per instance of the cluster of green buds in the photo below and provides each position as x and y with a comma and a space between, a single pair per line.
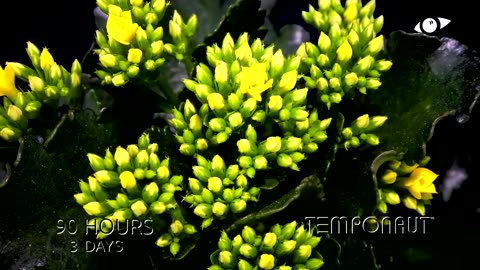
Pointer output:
218, 190
411, 185
133, 43
285, 247
133, 183
359, 131
48, 82
242, 87
347, 54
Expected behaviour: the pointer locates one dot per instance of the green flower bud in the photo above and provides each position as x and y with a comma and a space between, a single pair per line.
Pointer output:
215, 184
204, 75
149, 174
260, 163
351, 79
245, 162
276, 65
235, 120
226, 259
324, 43
410, 202
244, 53
96, 162
107, 178
372, 139
150, 192
244, 265
373, 83
288, 230
221, 72
122, 157
238, 206
189, 229
216, 101
141, 159
275, 103
187, 149
313, 241
248, 107
364, 64
163, 173
82, 198
164, 240
382, 65
94, 209
158, 207
108, 60
251, 134
314, 263
217, 124
287, 82
248, 251
269, 241
228, 195
127, 180
375, 46
241, 181
203, 174
298, 114
302, 253
219, 209
361, 122
267, 261
249, 235
292, 63
391, 197
139, 208
203, 210
176, 227
284, 160
389, 177
246, 147
234, 102
224, 243
285, 247
174, 248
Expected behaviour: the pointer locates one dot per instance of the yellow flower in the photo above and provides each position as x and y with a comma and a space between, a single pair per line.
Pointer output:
253, 80
420, 182
120, 26
7, 82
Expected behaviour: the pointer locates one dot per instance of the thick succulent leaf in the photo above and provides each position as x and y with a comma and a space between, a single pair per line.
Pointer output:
242, 16
288, 39
430, 79
209, 13
307, 184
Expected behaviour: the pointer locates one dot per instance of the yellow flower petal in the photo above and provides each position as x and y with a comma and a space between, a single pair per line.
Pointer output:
121, 28
415, 191
429, 189
7, 82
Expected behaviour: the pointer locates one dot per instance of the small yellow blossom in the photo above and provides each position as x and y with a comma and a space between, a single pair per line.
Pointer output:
120, 27
7, 82
254, 80
420, 182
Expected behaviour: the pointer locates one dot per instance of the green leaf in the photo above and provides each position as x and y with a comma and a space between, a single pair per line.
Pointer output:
234, 22
289, 38
430, 79
306, 185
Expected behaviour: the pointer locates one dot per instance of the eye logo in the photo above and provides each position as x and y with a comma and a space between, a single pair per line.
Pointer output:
430, 25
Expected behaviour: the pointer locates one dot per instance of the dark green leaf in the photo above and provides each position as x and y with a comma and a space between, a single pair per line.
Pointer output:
242, 16
430, 79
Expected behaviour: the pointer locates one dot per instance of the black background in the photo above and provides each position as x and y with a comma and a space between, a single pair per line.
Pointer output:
67, 29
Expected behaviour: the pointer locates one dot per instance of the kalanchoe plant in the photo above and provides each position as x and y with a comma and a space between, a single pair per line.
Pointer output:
255, 137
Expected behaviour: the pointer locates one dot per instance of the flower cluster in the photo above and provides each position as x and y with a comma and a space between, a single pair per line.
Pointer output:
134, 39
135, 183
347, 55
411, 185
218, 190
284, 248
247, 87
48, 82
359, 131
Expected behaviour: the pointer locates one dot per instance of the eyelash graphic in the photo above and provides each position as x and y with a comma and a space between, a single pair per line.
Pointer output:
429, 25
